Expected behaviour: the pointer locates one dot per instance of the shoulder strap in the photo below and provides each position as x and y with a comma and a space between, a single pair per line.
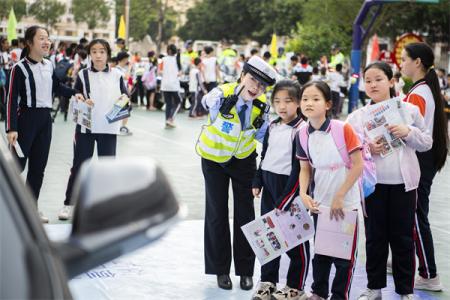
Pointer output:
303, 137
87, 86
337, 132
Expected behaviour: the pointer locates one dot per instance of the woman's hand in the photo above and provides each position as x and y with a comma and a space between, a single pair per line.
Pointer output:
12, 137
79, 97
256, 192
376, 147
89, 102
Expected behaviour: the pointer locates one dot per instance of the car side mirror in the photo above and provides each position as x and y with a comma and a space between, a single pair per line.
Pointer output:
121, 205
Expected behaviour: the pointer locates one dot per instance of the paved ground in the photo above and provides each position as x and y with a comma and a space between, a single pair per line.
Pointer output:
174, 150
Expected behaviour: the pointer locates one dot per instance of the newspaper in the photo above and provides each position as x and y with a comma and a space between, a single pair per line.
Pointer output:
279, 231
120, 110
81, 113
378, 117
335, 238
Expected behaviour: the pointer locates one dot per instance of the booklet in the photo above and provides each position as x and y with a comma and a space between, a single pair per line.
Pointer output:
17, 149
81, 113
279, 231
120, 110
379, 116
335, 238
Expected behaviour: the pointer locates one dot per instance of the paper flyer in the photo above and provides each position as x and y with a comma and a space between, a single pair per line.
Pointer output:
278, 231
81, 113
378, 117
119, 111
335, 238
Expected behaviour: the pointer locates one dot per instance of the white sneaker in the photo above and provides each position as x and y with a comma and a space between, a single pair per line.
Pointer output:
428, 284
407, 297
370, 295
264, 291
288, 293
65, 213
43, 218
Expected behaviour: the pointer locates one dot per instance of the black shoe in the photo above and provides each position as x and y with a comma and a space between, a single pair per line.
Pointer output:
224, 282
246, 283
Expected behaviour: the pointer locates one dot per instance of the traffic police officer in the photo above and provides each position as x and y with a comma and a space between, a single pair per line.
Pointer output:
238, 115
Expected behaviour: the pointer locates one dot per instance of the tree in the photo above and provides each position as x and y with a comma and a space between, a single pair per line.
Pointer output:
93, 12
47, 11
240, 20
20, 8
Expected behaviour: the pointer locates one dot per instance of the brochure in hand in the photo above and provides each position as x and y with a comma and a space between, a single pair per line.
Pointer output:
81, 113
379, 116
120, 110
279, 231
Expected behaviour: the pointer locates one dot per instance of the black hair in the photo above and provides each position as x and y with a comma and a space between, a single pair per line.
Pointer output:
294, 58
197, 61
267, 54
171, 49
440, 129
304, 60
321, 86
293, 89
386, 69
208, 49
339, 67
69, 52
83, 41
253, 51
82, 53
15, 43
29, 36
315, 70
150, 53
102, 42
398, 75
323, 71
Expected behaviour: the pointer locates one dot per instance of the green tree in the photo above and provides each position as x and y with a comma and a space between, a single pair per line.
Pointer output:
93, 12
47, 11
240, 20
20, 8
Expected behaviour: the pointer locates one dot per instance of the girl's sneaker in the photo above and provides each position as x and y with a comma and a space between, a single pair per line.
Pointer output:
264, 291
288, 293
428, 284
370, 295
315, 297
407, 297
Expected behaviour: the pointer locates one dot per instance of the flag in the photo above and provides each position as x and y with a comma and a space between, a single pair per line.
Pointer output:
375, 54
121, 32
11, 27
273, 46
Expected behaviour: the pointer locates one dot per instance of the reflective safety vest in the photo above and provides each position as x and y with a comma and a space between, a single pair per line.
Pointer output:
224, 138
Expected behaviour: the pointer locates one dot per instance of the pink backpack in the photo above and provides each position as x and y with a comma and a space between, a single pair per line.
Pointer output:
149, 78
368, 179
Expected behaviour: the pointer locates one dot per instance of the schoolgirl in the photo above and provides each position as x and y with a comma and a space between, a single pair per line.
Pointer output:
333, 183
197, 90
277, 176
391, 207
417, 64
32, 83
102, 86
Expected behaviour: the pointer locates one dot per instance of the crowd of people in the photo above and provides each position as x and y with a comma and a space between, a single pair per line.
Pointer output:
236, 94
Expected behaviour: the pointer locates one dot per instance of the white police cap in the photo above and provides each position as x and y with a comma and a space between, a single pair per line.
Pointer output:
261, 70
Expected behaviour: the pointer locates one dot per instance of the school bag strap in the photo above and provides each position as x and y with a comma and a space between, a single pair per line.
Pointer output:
303, 138
337, 132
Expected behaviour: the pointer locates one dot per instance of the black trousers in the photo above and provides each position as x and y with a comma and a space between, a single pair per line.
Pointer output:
345, 268
217, 232
210, 85
390, 222
34, 137
83, 149
423, 237
173, 103
138, 91
197, 109
273, 186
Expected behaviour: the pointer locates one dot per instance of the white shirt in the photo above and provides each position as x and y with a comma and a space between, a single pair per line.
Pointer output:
170, 81
210, 69
335, 81
194, 76
278, 158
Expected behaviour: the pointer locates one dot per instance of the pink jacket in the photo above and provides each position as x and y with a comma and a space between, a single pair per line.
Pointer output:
418, 139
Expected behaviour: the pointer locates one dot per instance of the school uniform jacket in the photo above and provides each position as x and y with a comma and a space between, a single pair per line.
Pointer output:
32, 84
292, 186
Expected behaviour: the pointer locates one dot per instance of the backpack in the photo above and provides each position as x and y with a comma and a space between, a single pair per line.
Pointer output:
149, 79
368, 179
62, 69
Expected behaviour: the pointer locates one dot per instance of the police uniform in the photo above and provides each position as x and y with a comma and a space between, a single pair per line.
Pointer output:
228, 152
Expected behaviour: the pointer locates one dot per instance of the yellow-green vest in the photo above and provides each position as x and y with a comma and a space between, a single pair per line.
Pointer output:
224, 138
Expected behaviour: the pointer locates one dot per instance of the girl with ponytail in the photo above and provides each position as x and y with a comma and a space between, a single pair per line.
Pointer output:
418, 64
